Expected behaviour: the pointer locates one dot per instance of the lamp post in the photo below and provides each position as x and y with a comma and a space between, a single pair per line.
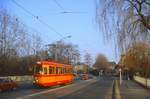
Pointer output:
120, 76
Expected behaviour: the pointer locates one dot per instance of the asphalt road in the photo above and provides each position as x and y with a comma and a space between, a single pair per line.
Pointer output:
100, 88
82, 89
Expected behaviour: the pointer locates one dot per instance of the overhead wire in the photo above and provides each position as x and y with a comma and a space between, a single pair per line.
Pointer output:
59, 5
37, 17
66, 12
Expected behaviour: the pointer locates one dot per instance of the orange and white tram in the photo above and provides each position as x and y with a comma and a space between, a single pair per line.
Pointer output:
50, 73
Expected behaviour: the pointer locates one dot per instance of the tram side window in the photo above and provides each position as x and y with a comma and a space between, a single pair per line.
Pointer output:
63, 70
57, 70
66, 70
51, 70
44, 70
54, 70
60, 70
69, 70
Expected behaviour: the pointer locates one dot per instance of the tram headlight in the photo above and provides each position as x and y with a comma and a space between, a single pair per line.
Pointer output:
36, 80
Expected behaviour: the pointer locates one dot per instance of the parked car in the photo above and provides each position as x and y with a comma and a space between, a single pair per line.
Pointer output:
7, 84
90, 76
84, 76
76, 77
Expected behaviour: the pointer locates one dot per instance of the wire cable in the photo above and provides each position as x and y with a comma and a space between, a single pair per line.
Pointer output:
37, 17
59, 5
64, 11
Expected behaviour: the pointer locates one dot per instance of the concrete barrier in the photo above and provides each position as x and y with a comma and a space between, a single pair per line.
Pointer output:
142, 81
26, 78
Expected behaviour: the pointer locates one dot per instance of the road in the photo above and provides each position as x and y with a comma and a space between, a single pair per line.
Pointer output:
82, 89
99, 88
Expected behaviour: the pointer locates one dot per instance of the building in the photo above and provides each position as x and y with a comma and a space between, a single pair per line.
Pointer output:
81, 68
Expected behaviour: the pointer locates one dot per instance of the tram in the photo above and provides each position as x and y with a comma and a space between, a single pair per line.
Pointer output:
50, 73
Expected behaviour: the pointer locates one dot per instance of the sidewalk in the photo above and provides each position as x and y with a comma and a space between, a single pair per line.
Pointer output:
131, 90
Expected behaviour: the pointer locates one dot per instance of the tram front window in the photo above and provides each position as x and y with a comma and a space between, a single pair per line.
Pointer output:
38, 69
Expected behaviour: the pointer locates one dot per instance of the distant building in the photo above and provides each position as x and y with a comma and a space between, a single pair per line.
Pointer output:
80, 68
112, 65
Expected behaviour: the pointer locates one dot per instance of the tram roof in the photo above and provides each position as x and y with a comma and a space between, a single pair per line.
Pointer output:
51, 62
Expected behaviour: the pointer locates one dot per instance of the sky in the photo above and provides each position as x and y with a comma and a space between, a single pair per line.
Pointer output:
81, 24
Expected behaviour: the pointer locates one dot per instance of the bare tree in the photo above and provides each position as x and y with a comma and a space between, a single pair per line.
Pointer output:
67, 53
88, 59
125, 21
16, 45
9, 27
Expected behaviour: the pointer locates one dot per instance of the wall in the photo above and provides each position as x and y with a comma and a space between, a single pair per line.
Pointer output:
142, 80
26, 78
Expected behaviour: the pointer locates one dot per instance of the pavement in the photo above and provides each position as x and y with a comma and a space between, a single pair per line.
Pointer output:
132, 90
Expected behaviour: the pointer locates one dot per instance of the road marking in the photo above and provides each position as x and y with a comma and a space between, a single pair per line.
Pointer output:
47, 91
